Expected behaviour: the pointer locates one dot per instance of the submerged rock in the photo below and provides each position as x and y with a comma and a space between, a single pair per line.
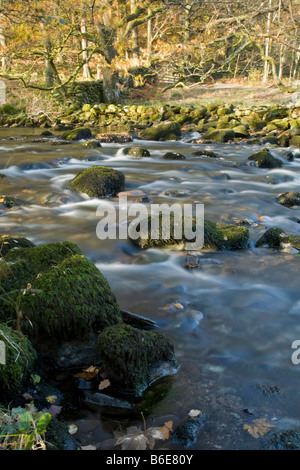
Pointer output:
173, 156
64, 296
271, 238
131, 356
289, 199
7, 202
98, 181
283, 440
206, 153
188, 432
264, 159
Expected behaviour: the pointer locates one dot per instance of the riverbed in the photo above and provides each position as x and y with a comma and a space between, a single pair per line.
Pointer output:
232, 319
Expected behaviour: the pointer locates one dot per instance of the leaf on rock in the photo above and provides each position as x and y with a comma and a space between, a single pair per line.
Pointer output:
259, 427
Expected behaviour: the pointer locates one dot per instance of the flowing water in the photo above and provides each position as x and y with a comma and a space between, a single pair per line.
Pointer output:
232, 320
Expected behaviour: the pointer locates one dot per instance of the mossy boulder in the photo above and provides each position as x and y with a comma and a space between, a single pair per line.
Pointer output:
80, 133
295, 141
136, 151
205, 153
289, 199
271, 238
61, 294
131, 356
91, 144
161, 132
264, 159
98, 181
217, 236
18, 360
276, 238
219, 135
8, 242
241, 131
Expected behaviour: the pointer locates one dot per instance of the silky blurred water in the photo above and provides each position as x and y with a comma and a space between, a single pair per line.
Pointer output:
232, 320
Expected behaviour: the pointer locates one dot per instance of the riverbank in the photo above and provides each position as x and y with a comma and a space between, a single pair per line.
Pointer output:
274, 124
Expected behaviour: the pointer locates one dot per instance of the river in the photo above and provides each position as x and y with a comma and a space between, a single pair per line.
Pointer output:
232, 320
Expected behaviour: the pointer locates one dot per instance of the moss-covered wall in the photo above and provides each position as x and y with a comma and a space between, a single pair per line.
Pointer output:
90, 92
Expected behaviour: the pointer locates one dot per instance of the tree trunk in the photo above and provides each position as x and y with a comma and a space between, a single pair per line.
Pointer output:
49, 75
149, 36
111, 91
267, 46
84, 44
134, 35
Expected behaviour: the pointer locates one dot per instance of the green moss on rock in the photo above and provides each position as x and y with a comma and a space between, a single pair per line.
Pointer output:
91, 144
219, 135
271, 238
217, 236
20, 357
79, 133
289, 199
264, 159
129, 354
164, 131
276, 238
173, 156
60, 293
136, 151
7, 242
295, 141
98, 181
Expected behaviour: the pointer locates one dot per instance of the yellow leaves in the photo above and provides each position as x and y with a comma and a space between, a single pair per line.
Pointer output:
51, 398
89, 373
258, 428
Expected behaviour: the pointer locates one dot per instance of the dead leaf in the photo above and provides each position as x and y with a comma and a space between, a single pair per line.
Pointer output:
134, 439
258, 428
89, 373
89, 447
166, 429
104, 384
178, 305
54, 410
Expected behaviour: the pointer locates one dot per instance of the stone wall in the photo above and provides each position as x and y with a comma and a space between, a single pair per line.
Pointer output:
87, 92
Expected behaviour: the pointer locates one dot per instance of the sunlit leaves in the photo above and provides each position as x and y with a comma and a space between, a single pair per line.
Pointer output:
259, 427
